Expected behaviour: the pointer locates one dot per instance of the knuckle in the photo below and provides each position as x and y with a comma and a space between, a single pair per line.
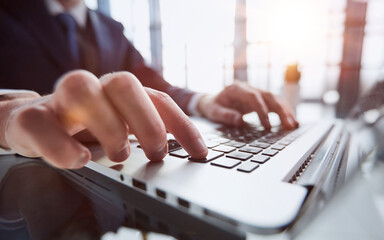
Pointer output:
79, 83
232, 87
185, 122
215, 111
255, 96
121, 81
162, 97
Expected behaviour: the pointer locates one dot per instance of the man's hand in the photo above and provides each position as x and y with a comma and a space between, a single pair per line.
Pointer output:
110, 109
234, 101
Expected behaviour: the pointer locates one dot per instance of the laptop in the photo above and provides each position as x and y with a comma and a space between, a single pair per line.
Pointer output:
252, 181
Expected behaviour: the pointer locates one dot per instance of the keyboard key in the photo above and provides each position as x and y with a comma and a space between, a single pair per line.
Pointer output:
278, 147
225, 162
270, 152
173, 145
259, 145
248, 167
239, 155
284, 142
260, 158
235, 144
220, 140
290, 138
181, 153
240, 138
211, 144
268, 140
253, 150
211, 155
224, 149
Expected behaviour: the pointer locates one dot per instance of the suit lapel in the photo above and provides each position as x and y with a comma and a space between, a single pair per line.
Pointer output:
104, 41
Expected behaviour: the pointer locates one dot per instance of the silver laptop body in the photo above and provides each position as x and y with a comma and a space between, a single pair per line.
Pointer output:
281, 194
265, 200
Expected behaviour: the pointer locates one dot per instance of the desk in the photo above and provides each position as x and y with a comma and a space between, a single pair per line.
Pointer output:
55, 209
355, 213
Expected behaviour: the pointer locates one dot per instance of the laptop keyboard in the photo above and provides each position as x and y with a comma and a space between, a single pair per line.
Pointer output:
244, 149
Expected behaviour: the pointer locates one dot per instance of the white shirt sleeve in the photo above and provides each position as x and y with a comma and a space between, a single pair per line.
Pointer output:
14, 91
192, 105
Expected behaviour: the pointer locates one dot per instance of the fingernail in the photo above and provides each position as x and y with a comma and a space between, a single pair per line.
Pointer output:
201, 142
164, 151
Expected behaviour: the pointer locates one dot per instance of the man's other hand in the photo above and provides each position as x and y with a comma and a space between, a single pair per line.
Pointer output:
109, 108
234, 101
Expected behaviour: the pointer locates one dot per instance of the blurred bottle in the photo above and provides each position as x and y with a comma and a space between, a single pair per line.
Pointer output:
291, 89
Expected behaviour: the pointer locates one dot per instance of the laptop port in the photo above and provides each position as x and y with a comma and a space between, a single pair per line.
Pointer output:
183, 203
161, 194
139, 184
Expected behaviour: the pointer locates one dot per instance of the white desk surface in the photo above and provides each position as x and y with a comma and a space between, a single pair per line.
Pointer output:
357, 211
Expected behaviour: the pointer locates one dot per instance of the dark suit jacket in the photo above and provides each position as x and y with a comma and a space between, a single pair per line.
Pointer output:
33, 53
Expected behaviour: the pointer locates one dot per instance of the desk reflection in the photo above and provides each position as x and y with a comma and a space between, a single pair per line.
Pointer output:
37, 202
40, 202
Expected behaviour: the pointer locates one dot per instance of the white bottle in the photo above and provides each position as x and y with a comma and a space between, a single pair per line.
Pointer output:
291, 88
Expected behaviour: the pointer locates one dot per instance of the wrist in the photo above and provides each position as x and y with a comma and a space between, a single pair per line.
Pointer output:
7, 107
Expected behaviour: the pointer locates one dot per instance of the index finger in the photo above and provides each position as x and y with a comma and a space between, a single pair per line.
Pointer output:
179, 124
128, 96
286, 118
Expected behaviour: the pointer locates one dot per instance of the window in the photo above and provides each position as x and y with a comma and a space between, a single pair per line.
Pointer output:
373, 47
134, 15
197, 43
198, 35
309, 33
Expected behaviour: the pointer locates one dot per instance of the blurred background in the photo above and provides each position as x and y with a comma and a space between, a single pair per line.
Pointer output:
204, 45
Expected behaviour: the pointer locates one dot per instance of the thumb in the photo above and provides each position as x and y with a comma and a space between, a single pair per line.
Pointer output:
225, 115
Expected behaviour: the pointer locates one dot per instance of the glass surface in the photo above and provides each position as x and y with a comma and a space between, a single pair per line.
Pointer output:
40, 202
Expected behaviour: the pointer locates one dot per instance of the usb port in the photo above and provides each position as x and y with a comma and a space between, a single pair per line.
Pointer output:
161, 194
183, 203
139, 184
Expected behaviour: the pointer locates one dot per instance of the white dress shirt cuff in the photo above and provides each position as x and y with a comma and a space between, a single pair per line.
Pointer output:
192, 105
15, 91
6, 94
